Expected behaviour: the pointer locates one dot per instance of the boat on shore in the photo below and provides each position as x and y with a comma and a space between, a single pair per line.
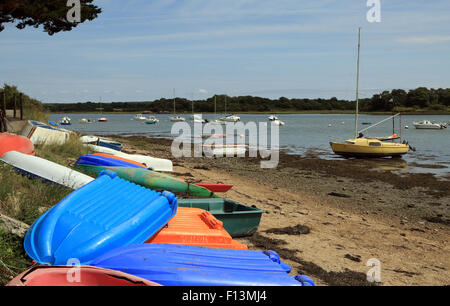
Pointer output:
238, 219
58, 276
361, 146
105, 214
36, 167
429, 125
184, 265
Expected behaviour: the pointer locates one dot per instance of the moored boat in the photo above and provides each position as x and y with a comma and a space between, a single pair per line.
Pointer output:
429, 125
361, 146
369, 147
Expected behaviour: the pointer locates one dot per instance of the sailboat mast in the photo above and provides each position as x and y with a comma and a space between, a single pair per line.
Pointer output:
174, 101
357, 84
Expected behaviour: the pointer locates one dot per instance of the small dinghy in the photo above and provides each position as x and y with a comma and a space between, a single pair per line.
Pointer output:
239, 220
182, 265
103, 215
106, 161
44, 169
41, 133
72, 276
147, 178
197, 227
157, 164
102, 142
10, 142
215, 187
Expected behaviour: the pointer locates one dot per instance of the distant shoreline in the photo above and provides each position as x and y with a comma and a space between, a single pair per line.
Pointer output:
317, 112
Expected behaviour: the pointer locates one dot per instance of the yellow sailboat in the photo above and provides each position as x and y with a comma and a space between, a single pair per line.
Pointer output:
365, 146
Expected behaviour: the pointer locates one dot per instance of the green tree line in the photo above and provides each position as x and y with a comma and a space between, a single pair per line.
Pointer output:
395, 100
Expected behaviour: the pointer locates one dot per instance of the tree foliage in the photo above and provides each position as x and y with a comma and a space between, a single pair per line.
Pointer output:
51, 14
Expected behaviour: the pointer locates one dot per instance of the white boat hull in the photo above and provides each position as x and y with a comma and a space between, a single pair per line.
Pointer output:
157, 164
41, 133
47, 170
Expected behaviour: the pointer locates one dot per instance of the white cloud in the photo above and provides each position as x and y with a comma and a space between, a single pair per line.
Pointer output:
424, 40
202, 91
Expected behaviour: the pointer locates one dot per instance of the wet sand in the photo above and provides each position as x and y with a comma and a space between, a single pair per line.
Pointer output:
327, 218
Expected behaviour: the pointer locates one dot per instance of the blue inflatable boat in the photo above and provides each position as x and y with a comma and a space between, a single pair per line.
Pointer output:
181, 265
103, 215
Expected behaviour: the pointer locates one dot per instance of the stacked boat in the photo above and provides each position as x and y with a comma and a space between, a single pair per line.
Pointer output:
123, 225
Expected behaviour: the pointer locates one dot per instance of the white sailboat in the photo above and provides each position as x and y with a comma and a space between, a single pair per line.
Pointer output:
216, 121
102, 119
176, 118
229, 118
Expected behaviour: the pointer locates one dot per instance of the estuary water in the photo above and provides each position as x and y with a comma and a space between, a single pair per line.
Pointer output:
302, 134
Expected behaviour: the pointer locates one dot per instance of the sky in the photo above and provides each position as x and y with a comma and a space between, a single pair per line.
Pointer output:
141, 50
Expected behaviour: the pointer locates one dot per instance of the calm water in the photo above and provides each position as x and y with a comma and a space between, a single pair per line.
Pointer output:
304, 134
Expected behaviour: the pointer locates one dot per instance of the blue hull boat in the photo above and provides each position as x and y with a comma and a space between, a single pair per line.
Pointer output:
96, 160
182, 265
103, 215
108, 144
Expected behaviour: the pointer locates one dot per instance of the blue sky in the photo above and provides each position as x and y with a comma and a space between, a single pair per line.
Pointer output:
141, 50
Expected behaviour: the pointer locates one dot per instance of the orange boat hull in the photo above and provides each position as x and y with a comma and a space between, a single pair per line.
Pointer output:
196, 227
10, 142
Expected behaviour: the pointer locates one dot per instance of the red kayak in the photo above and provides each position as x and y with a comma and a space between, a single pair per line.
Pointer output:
215, 187
10, 142
69, 276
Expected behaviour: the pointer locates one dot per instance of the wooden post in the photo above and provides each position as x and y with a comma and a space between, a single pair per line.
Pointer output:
3, 126
21, 105
15, 98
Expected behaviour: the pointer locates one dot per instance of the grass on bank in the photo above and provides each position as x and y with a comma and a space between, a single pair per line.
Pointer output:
26, 199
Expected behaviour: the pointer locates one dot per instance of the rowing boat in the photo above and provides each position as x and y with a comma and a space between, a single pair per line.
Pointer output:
10, 142
239, 220
36, 167
103, 215
71, 276
183, 265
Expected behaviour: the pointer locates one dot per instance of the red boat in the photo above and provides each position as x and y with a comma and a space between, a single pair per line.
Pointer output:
71, 277
10, 142
215, 187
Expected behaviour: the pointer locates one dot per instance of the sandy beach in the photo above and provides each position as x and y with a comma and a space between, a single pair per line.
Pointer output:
327, 218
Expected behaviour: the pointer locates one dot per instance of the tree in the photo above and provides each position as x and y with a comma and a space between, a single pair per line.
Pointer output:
51, 14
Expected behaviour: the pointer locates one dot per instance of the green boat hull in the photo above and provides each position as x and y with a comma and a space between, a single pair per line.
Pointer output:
238, 220
150, 179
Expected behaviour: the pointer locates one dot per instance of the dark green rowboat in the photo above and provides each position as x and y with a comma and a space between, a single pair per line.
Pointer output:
238, 220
